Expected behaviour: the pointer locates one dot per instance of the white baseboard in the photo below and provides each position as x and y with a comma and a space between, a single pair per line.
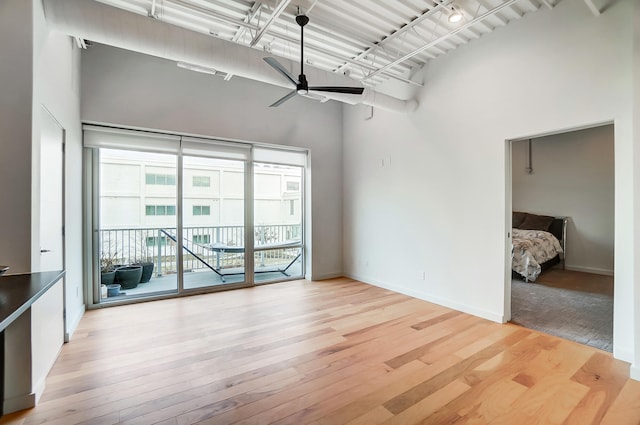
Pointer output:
494, 317
622, 353
72, 324
18, 403
634, 372
326, 276
589, 270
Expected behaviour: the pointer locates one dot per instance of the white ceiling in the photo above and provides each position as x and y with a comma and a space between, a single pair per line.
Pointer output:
369, 40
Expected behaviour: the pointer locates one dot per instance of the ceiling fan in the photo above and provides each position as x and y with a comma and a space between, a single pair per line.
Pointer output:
301, 84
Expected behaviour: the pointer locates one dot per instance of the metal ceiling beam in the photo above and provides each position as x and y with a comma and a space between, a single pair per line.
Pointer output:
531, 4
547, 3
499, 17
310, 8
241, 30
250, 15
276, 12
241, 23
592, 7
402, 30
211, 14
465, 9
152, 12
342, 58
442, 38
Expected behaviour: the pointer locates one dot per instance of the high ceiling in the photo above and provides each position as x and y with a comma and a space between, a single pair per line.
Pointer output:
369, 40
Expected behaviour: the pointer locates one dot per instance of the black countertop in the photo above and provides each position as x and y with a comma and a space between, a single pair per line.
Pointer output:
19, 291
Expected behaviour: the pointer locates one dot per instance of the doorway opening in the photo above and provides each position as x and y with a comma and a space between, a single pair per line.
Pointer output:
561, 282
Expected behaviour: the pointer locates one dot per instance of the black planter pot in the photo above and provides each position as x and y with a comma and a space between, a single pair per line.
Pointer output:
128, 276
107, 278
147, 271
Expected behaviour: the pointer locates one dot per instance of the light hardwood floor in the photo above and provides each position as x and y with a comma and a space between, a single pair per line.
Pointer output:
331, 352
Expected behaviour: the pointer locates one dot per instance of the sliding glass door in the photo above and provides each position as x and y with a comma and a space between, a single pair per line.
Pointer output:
277, 221
213, 221
137, 223
172, 214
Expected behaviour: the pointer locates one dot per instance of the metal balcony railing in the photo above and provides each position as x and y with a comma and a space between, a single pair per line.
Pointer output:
143, 245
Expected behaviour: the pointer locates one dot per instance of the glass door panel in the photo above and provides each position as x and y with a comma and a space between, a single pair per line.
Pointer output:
137, 246
278, 216
213, 222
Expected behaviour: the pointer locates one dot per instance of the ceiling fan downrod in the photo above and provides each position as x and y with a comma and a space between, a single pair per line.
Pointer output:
303, 84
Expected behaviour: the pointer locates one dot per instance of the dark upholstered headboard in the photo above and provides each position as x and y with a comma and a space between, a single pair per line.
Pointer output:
557, 226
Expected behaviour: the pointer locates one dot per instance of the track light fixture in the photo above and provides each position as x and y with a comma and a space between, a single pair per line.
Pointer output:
454, 15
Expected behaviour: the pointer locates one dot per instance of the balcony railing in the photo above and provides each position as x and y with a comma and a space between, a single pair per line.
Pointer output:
138, 245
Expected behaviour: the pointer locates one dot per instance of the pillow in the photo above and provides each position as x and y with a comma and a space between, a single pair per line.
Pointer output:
517, 218
536, 222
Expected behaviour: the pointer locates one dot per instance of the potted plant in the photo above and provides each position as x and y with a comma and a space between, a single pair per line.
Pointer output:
128, 276
147, 270
143, 259
107, 267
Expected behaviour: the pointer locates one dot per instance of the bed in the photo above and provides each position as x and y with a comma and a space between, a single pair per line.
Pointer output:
538, 243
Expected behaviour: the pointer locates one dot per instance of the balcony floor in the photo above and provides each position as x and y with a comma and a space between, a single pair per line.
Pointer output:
202, 279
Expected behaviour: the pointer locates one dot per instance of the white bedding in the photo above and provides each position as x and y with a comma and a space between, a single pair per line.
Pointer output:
532, 248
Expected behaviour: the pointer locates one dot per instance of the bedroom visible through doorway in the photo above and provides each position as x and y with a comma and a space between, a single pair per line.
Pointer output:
561, 280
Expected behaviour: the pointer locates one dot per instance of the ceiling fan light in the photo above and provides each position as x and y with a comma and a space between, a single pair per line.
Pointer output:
302, 91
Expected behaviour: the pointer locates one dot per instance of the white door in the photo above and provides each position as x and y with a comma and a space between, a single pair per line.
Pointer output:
51, 193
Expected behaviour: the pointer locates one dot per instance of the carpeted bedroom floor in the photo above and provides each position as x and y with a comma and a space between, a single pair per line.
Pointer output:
572, 305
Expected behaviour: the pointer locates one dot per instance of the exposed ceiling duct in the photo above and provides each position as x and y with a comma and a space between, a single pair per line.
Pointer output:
104, 24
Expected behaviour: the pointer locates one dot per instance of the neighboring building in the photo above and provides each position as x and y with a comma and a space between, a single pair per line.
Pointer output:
138, 190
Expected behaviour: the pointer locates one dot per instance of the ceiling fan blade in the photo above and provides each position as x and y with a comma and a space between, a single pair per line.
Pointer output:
314, 96
347, 90
281, 69
283, 99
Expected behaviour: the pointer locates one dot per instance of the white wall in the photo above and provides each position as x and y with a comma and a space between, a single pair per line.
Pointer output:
572, 177
37, 69
56, 86
441, 205
635, 368
16, 38
130, 89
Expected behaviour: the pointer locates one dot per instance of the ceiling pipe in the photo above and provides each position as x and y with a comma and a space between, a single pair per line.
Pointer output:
104, 24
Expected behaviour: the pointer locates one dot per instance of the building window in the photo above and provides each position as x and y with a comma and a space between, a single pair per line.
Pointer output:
292, 207
293, 186
202, 239
201, 181
201, 210
160, 210
160, 179
153, 241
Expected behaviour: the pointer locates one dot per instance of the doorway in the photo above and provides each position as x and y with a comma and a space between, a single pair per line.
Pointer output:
52, 139
569, 175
